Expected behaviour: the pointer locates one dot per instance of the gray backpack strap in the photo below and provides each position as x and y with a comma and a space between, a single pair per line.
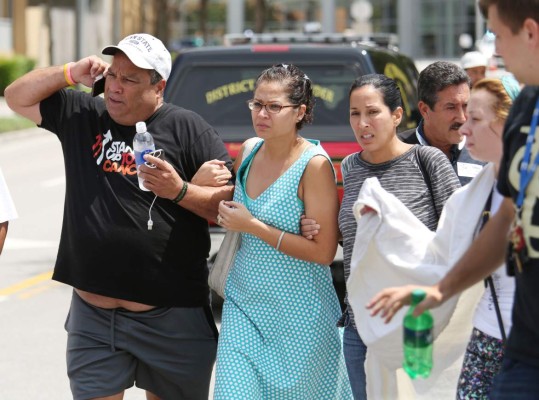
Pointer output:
426, 177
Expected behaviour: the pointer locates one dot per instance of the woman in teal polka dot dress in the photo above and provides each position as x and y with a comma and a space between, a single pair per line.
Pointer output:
279, 338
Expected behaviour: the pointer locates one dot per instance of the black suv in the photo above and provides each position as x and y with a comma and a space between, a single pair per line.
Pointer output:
216, 82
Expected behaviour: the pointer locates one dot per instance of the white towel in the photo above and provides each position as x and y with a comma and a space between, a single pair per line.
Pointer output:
393, 248
7, 208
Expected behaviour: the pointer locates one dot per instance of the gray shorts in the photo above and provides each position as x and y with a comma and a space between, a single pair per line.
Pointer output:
167, 351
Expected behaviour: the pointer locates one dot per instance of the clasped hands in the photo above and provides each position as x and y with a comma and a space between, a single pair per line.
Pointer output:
163, 180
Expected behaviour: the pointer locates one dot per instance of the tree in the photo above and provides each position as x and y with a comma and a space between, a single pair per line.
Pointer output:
203, 20
161, 21
260, 16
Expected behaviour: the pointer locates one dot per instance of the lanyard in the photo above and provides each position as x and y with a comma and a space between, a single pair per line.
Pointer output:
526, 173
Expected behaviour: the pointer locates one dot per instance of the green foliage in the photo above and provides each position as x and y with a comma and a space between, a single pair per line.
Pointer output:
8, 124
13, 67
216, 14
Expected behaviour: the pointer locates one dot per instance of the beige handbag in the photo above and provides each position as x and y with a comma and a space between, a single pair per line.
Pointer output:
227, 251
223, 261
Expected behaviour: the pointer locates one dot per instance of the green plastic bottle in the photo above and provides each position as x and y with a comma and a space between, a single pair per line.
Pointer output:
417, 339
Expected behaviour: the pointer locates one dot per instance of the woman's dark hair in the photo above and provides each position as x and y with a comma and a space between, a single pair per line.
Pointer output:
386, 86
297, 86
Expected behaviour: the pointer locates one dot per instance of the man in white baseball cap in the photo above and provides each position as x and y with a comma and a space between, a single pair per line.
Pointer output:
145, 51
475, 64
140, 311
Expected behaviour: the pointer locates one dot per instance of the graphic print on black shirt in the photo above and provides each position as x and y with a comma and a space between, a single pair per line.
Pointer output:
114, 156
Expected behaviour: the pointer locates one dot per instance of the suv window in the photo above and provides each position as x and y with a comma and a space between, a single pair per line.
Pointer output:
403, 71
217, 82
219, 93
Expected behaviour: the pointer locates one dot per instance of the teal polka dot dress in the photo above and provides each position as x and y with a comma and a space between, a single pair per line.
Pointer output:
278, 337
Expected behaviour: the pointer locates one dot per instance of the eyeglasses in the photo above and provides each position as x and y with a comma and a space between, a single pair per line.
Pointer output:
272, 108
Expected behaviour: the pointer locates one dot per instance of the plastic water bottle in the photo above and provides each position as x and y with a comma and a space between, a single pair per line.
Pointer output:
417, 339
142, 144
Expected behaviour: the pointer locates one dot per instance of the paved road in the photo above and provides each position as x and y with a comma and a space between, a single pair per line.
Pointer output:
32, 306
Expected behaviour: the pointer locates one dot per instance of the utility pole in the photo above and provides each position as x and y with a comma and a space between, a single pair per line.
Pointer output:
479, 24
82, 9
235, 16
116, 22
408, 13
19, 26
328, 16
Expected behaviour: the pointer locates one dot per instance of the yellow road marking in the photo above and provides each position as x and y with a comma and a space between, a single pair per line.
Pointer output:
26, 284
37, 290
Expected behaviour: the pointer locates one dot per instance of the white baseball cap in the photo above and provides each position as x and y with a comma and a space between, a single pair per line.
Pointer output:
473, 59
145, 51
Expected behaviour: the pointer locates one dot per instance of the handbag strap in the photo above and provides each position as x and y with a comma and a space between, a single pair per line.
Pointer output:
488, 280
248, 147
490, 283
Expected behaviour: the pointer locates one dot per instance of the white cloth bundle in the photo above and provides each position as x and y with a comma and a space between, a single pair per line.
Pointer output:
393, 248
7, 208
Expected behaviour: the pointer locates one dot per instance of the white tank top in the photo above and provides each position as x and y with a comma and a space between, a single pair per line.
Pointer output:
485, 314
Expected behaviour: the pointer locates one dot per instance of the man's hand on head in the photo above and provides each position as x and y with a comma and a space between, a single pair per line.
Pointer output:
87, 69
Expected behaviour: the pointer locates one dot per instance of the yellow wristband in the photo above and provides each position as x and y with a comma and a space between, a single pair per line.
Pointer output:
67, 75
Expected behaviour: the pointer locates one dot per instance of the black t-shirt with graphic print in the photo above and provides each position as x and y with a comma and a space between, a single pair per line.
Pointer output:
106, 247
524, 338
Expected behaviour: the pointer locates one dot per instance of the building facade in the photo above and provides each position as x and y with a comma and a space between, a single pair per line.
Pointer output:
56, 31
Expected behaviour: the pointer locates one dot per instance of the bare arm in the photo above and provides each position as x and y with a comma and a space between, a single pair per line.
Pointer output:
239, 159
212, 173
204, 200
24, 94
483, 257
3, 234
321, 201
165, 182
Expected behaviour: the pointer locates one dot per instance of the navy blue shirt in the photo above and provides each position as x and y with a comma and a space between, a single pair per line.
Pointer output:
524, 336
